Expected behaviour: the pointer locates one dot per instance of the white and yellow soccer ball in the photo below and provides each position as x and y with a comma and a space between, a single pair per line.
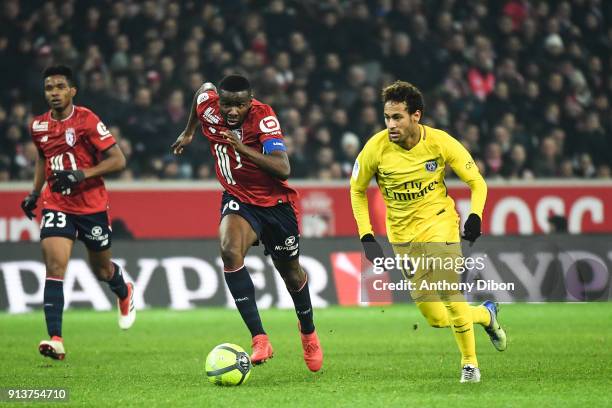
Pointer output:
228, 364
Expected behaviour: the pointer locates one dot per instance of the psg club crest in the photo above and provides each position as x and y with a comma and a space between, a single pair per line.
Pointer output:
70, 137
431, 165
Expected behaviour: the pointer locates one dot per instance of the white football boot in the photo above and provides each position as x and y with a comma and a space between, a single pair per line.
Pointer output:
53, 348
127, 311
470, 374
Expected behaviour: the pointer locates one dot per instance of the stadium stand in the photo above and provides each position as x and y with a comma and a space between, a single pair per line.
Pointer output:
525, 85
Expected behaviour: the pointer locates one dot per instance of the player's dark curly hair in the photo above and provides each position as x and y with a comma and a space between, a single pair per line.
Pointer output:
62, 70
401, 91
235, 83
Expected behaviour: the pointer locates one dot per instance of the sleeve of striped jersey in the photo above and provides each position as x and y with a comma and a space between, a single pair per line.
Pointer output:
267, 125
99, 135
205, 96
34, 140
464, 166
365, 167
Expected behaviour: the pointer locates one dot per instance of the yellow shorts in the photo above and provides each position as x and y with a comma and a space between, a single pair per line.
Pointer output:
435, 271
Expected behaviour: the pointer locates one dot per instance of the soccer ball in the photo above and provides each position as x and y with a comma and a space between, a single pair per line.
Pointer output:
228, 364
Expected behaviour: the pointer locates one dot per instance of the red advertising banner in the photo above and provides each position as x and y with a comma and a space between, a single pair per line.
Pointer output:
191, 210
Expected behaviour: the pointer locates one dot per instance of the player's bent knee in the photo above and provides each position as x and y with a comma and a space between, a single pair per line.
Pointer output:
104, 273
435, 316
437, 321
295, 283
55, 269
232, 257
293, 275
55, 272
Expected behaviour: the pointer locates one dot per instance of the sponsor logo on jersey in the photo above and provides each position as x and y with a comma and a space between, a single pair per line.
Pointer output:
203, 97
431, 165
210, 117
103, 131
70, 137
405, 195
38, 126
269, 124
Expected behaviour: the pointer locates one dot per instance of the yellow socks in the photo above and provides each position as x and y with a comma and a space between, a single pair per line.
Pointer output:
463, 330
462, 316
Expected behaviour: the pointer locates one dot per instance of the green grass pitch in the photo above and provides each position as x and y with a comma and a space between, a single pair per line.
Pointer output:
558, 355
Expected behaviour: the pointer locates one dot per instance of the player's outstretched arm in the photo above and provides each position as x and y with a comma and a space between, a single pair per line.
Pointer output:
276, 163
364, 169
183, 140
186, 135
463, 165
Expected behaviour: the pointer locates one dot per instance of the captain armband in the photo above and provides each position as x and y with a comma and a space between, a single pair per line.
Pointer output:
272, 145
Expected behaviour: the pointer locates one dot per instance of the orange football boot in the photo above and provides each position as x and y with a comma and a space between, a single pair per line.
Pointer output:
313, 353
262, 349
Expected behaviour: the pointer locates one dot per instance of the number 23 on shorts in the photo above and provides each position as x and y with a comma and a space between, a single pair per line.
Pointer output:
52, 219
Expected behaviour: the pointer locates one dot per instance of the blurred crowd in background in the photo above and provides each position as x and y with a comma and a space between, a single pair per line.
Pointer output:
525, 85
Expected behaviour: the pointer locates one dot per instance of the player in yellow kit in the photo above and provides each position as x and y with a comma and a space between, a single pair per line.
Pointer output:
408, 160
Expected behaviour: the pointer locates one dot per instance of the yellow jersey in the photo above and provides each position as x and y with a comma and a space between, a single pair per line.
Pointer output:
411, 182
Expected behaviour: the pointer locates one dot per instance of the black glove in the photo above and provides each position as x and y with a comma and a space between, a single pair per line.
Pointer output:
29, 204
471, 228
371, 248
63, 180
